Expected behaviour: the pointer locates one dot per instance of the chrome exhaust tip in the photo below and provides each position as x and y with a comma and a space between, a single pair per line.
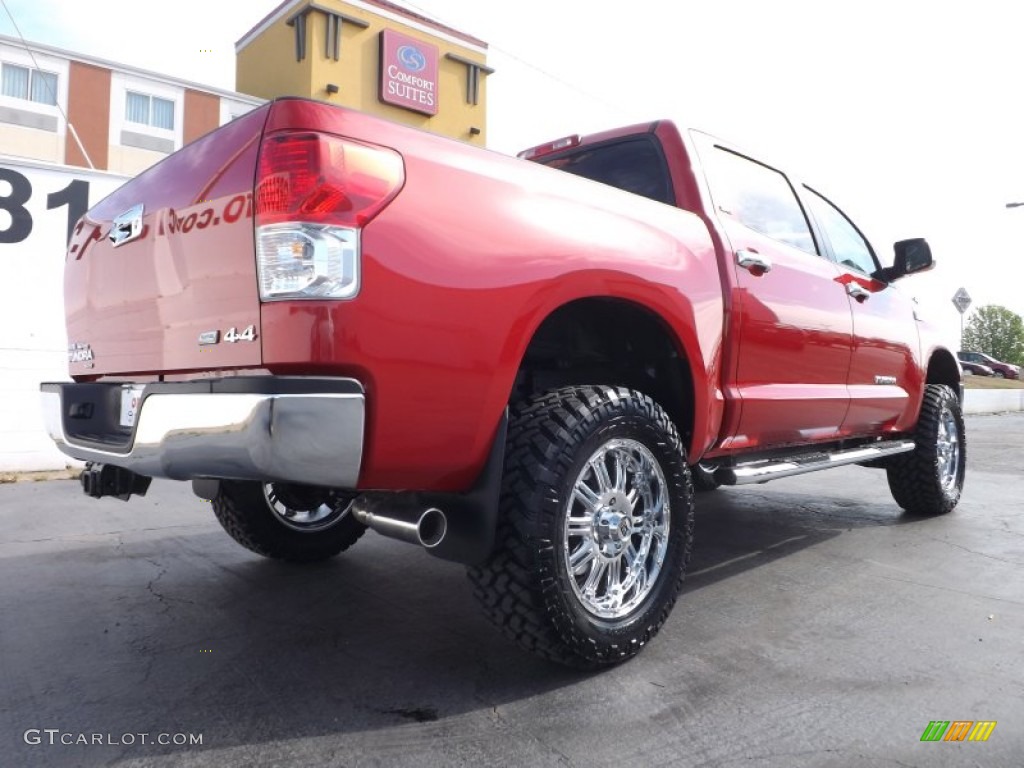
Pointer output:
432, 527
415, 525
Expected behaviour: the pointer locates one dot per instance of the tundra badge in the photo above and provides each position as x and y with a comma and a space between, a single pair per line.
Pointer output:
79, 352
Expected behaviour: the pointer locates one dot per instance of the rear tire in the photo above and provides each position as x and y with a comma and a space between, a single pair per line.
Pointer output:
596, 526
930, 479
299, 524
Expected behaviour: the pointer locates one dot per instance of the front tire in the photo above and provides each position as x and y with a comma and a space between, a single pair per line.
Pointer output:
930, 479
299, 524
704, 478
596, 526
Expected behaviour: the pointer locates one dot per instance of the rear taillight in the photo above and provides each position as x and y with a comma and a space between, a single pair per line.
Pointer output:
314, 192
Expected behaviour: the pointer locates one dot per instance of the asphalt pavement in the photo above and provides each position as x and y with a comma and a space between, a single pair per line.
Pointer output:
820, 626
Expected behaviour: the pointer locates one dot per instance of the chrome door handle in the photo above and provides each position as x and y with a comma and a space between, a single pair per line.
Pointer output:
859, 292
753, 262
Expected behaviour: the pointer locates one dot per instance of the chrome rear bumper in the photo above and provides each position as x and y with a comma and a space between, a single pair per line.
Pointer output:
259, 428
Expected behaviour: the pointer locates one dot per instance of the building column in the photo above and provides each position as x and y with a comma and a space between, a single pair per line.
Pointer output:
88, 115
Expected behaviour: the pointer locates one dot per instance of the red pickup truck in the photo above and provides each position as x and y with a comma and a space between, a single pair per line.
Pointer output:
329, 322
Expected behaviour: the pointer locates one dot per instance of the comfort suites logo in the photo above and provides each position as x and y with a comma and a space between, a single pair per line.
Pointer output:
408, 72
411, 58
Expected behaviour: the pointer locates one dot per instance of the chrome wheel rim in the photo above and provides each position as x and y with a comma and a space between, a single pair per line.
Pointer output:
304, 517
947, 448
616, 529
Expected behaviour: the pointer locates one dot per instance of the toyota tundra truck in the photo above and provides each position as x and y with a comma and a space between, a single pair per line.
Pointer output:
328, 322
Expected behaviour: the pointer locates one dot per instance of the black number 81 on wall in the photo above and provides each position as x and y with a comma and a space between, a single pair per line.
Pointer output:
75, 196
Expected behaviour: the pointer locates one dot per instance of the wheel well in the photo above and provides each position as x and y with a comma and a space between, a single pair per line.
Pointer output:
609, 341
943, 369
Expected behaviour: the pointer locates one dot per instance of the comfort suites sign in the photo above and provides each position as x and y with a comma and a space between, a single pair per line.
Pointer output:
408, 72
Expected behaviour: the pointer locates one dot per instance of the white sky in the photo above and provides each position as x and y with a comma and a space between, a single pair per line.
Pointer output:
906, 113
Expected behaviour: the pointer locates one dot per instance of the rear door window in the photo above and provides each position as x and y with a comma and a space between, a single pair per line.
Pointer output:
760, 198
636, 165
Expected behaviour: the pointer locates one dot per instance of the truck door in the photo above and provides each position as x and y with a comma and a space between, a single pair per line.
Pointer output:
885, 380
791, 314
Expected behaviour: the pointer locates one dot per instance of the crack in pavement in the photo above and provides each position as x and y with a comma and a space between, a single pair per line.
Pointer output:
149, 586
936, 586
975, 552
505, 724
83, 537
502, 722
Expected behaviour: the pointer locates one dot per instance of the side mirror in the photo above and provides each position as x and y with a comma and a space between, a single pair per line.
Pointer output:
911, 256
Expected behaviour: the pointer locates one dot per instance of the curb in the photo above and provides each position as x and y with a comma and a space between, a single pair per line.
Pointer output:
977, 401
37, 476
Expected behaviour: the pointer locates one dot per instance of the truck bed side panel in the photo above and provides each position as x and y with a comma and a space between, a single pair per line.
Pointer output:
459, 271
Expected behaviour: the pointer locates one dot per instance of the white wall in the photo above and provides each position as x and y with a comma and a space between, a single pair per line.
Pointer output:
33, 341
232, 108
993, 400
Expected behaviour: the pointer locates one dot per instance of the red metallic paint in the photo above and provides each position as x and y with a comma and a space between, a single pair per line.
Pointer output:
458, 272
794, 335
454, 286
801, 356
885, 343
141, 306
790, 337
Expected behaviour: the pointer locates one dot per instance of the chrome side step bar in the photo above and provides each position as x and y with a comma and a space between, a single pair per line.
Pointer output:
771, 469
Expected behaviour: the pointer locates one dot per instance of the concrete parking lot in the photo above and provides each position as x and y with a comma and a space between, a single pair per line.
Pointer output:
819, 627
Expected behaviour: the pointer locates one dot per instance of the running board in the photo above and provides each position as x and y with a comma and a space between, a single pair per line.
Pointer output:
771, 469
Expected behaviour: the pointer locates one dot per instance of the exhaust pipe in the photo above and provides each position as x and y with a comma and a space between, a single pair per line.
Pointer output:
459, 527
408, 522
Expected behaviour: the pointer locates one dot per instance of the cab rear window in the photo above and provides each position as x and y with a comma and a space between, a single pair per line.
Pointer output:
636, 165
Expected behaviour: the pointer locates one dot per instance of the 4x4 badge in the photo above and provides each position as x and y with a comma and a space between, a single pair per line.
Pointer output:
232, 335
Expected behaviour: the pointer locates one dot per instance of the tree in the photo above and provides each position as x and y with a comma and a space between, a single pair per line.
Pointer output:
997, 332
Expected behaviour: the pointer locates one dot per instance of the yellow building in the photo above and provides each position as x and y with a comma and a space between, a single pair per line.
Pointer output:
371, 55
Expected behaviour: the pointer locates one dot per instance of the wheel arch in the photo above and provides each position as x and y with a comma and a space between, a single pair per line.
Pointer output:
614, 341
943, 368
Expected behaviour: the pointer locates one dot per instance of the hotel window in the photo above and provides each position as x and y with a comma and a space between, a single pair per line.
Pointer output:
29, 84
149, 110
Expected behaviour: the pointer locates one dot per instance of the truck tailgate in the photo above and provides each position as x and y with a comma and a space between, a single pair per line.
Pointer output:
179, 292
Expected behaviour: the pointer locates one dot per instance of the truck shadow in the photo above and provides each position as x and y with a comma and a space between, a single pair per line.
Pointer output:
186, 632
743, 528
